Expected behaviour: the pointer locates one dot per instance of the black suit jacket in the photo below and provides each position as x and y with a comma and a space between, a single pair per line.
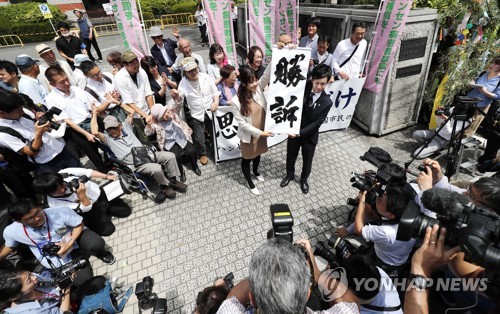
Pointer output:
312, 119
170, 46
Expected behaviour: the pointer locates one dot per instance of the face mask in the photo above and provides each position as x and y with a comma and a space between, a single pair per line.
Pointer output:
67, 34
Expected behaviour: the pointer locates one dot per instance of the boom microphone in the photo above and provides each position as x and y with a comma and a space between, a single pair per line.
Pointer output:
445, 202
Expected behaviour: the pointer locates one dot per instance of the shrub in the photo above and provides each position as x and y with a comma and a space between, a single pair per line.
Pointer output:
184, 7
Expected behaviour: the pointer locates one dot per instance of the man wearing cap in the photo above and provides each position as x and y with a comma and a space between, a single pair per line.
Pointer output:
133, 85
201, 96
120, 139
87, 34
184, 47
68, 45
75, 106
164, 49
29, 84
49, 58
80, 78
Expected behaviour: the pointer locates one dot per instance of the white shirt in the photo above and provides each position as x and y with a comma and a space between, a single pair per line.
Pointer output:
387, 297
101, 89
343, 51
71, 199
132, 93
51, 146
387, 248
201, 64
33, 88
214, 71
66, 68
165, 54
199, 101
80, 78
76, 106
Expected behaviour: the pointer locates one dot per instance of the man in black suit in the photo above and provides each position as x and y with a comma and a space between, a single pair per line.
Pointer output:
316, 106
164, 49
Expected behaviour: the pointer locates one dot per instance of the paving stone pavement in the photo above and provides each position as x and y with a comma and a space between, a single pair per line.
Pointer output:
213, 229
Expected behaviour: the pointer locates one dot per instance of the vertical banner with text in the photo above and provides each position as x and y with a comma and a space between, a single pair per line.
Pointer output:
286, 90
227, 143
389, 28
129, 26
220, 26
262, 14
286, 18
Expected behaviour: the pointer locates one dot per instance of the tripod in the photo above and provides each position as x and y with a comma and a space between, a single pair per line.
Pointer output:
461, 112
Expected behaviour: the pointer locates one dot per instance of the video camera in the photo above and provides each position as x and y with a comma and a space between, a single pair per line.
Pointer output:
282, 221
74, 184
147, 298
64, 275
47, 117
475, 229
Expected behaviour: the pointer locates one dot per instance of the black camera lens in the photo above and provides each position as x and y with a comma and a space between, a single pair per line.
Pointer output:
321, 249
413, 223
360, 182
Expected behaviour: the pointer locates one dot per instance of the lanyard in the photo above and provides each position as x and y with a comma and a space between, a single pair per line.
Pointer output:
48, 228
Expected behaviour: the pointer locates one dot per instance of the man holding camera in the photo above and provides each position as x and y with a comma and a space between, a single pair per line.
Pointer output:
280, 281
71, 188
30, 140
54, 235
390, 253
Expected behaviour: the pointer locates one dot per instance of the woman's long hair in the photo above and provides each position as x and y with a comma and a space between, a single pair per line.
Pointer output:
247, 76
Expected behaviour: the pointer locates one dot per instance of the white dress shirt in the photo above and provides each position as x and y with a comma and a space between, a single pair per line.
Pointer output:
199, 101
343, 51
33, 88
132, 93
75, 106
101, 89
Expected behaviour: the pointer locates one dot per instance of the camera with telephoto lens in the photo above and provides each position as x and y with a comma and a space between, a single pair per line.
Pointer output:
337, 249
74, 184
47, 117
64, 275
147, 298
374, 183
475, 229
282, 221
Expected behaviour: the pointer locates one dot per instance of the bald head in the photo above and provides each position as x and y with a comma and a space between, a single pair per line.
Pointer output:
184, 47
285, 39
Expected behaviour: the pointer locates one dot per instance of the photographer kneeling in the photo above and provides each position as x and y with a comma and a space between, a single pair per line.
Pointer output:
280, 281
390, 253
72, 188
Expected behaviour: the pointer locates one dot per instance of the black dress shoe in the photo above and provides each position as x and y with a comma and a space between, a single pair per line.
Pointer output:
285, 181
304, 186
197, 171
183, 177
107, 258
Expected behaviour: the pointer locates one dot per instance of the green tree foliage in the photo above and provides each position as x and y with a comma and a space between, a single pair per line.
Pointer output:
184, 7
462, 62
26, 21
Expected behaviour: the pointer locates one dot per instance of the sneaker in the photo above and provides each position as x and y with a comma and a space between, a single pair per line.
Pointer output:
204, 160
179, 186
160, 198
107, 258
169, 192
100, 61
259, 178
255, 191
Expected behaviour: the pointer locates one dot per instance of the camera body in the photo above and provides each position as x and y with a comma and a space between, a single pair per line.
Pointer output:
50, 249
74, 184
374, 183
47, 117
282, 221
337, 249
64, 274
147, 298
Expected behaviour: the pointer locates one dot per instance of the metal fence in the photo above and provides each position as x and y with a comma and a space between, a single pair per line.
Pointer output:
10, 40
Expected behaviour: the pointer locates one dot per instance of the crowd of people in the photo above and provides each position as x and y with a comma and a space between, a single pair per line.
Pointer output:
151, 115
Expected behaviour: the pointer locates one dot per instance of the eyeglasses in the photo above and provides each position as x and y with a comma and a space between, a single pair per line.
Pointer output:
97, 75
33, 217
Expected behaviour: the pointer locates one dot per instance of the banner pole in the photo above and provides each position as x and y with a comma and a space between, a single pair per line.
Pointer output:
144, 28
52, 24
368, 50
247, 26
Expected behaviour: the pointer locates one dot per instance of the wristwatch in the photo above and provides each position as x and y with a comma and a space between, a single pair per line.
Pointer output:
418, 281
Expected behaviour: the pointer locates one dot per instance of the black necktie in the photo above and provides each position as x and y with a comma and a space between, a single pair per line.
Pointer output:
311, 102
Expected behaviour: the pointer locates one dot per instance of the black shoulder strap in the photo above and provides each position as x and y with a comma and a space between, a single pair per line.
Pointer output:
381, 308
352, 54
92, 92
107, 78
12, 132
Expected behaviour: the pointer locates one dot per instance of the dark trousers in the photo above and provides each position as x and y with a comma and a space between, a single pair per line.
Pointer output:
17, 181
90, 243
491, 149
189, 151
292, 151
87, 42
98, 219
199, 137
65, 159
139, 126
90, 149
245, 168
203, 31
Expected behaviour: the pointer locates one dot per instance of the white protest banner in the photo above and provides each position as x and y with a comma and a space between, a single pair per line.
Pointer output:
227, 143
344, 95
286, 89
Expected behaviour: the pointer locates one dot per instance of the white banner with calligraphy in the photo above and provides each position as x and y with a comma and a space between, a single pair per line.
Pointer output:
227, 143
286, 89
345, 96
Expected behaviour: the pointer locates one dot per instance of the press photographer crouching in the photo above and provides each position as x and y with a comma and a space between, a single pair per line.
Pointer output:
56, 236
72, 188
210, 299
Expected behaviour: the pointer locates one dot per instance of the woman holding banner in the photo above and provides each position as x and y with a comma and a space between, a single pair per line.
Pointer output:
250, 114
